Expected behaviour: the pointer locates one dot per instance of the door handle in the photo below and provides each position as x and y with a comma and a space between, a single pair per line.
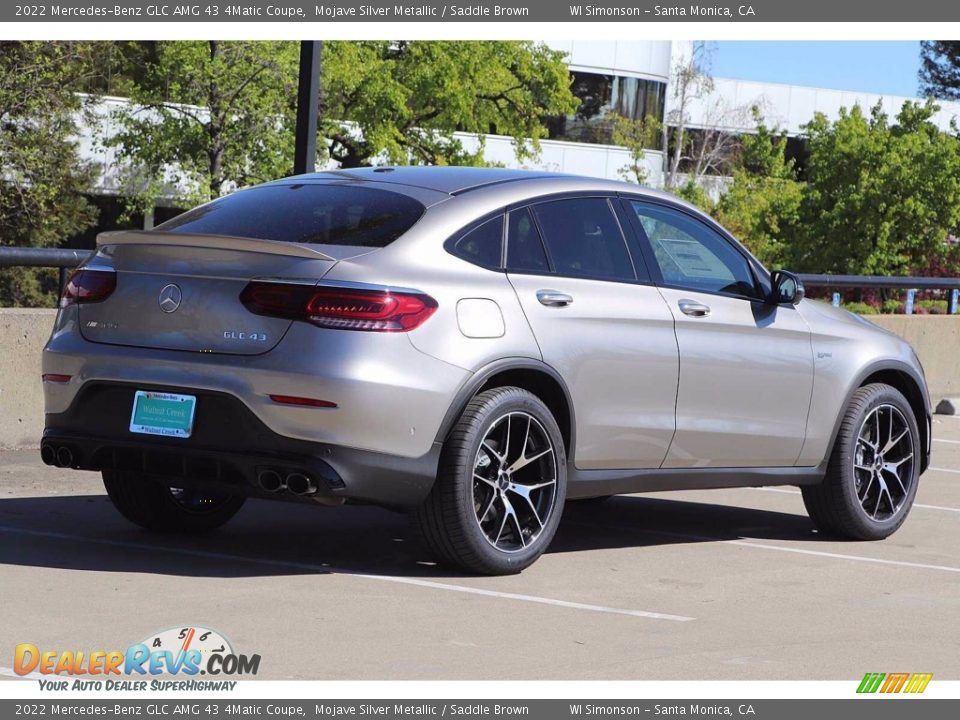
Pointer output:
693, 308
552, 298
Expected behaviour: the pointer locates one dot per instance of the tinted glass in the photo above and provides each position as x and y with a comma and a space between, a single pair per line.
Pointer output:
690, 255
524, 247
483, 244
305, 213
584, 239
602, 99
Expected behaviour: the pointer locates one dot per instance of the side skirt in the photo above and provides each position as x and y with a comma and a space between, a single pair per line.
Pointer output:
596, 483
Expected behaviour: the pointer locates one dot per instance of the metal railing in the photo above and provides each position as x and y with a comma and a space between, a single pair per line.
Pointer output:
43, 257
66, 259
910, 284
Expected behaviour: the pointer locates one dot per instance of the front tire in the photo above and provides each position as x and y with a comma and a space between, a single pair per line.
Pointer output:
501, 485
155, 506
874, 468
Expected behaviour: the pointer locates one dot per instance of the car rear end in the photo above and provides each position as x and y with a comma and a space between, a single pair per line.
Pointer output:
216, 351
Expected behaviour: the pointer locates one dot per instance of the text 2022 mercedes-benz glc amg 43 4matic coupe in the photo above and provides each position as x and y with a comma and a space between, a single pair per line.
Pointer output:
477, 346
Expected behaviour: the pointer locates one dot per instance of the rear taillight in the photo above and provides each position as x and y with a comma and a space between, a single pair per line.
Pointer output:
86, 286
372, 310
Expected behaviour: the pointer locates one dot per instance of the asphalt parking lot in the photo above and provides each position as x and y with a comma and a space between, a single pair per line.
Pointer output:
728, 584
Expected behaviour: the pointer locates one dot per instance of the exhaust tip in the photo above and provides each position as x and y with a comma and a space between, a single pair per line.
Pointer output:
64, 457
48, 454
300, 484
270, 481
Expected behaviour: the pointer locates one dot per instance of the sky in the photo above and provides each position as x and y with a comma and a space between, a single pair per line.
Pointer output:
887, 68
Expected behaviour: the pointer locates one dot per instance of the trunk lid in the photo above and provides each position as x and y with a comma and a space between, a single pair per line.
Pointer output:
178, 291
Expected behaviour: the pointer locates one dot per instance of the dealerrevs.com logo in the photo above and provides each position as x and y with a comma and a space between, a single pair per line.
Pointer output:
185, 651
894, 682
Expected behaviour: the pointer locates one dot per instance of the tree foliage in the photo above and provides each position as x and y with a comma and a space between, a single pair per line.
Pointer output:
880, 198
761, 206
43, 178
403, 101
636, 136
210, 116
940, 69
206, 116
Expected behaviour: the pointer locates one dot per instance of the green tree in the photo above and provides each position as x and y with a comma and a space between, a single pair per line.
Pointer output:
637, 136
761, 207
205, 116
401, 102
43, 183
881, 198
940, 69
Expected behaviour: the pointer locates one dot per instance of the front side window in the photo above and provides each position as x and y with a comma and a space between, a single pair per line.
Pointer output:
692, 256
314, 213
584, 239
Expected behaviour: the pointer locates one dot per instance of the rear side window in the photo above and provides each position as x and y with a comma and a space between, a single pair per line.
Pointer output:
584, 239
305, 213
483, 245
524, 248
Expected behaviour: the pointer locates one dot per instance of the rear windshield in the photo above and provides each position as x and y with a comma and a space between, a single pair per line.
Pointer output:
305, 213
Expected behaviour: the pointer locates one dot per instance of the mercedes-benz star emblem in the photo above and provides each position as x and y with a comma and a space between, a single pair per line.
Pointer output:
170, 298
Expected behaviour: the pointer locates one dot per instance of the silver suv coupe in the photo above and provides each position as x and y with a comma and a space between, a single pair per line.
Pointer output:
475, 345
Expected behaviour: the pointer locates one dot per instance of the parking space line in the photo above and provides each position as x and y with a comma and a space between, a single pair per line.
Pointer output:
785, 491
952, 442
946, 470
844, 556
765, 546
417, 582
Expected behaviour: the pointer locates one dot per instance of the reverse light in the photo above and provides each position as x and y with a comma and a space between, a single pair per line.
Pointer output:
370, 310
87, 286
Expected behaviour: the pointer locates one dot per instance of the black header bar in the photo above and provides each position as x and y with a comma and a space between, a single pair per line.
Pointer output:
538, 11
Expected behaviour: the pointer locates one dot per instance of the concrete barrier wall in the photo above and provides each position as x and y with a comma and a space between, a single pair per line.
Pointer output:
936, 338
23, 333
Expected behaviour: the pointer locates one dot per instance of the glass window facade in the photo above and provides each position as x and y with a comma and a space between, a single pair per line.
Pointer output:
603, 96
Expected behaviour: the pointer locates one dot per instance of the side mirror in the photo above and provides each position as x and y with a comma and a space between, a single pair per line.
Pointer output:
787, 288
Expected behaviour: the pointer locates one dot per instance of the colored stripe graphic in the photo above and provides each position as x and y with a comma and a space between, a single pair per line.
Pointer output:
894, 682
871, 682
918, 682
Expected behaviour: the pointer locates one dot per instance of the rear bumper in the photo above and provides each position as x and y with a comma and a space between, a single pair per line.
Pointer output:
228, 450
391, 398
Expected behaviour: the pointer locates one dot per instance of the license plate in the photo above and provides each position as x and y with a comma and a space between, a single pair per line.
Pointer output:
158, 413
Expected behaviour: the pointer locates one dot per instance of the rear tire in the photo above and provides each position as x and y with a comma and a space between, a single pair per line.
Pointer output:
155, 506
501, 485
873, 471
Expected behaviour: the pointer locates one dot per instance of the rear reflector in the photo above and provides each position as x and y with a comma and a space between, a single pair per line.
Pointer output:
86, 286
373, 310
54, 378
305, 402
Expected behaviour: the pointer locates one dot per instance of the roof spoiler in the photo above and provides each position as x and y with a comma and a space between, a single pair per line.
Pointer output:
218, 242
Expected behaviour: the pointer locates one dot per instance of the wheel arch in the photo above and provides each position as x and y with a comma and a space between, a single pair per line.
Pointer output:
532, 375
904, 378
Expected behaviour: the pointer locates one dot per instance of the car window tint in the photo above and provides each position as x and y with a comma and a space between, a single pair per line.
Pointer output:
314, 213
524, 247
584, 239
482, 245
690, 255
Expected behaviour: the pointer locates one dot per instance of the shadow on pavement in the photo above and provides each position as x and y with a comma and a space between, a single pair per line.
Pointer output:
273, 539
